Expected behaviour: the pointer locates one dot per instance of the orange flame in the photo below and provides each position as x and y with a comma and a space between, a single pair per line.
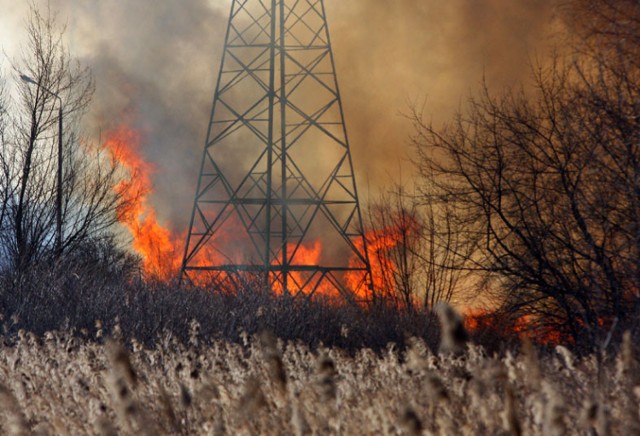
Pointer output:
304, 281
478, 320
161, 250
381, 244
154, 243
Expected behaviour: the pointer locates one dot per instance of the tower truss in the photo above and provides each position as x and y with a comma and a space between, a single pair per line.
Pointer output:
276, 196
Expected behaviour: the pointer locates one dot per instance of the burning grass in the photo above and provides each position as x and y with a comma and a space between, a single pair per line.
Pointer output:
152, 241
60, 384
161, 250
179, 362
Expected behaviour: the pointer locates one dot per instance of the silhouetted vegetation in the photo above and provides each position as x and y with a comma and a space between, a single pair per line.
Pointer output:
51, 87
545, 184
106, 289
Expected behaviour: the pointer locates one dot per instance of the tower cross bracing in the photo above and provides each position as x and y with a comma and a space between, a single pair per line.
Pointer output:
276, 196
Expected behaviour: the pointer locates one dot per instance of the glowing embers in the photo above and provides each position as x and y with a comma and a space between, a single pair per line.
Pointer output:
483, 321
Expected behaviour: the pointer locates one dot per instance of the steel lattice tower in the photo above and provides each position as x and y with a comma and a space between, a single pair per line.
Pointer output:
276, 174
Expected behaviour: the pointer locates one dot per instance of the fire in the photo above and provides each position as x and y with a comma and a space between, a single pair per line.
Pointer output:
382, 246
155, 244
476, 319
161, 251
299, 281
526, 326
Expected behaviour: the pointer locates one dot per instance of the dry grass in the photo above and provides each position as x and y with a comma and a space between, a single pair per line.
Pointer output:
60, 384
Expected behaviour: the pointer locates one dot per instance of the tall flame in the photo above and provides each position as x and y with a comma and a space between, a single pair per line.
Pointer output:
152, 241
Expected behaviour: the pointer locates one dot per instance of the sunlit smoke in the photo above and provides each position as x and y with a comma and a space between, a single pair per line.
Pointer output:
160, 59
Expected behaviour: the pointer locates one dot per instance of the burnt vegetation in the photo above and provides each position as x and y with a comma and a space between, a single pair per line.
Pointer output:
527, 199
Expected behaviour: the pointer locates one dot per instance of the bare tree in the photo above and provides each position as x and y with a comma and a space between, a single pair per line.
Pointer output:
609, 25
549, 184
411, 247
446, 255
5, 191
89, 200
393, 240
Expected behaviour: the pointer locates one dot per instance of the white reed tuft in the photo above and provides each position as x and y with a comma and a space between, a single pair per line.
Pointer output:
453, 335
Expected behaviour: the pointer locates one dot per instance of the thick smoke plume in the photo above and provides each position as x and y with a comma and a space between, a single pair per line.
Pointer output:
156, 63
392, 55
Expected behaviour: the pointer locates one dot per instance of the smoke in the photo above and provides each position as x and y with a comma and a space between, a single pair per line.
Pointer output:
156, 63
392, 55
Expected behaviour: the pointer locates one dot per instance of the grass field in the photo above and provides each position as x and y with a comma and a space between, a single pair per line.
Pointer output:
63, 384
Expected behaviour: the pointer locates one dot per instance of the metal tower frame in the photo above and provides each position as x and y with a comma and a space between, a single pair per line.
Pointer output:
276, 173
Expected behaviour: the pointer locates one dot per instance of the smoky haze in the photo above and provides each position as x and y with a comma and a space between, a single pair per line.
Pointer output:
156, 63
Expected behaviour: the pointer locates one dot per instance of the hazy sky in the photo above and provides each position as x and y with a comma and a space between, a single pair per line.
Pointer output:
155, 61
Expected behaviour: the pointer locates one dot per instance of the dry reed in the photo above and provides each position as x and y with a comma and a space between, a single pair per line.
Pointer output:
63, 385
